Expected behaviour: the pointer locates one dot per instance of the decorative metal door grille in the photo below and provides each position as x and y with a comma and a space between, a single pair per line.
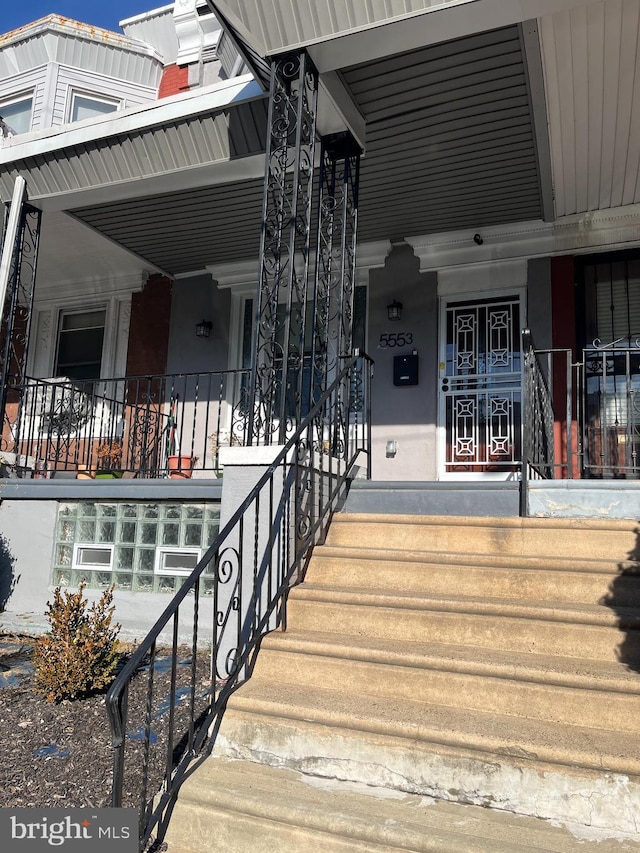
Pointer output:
481, 386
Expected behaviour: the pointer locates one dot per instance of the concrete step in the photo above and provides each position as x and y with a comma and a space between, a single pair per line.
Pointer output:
487, 661
551, 537
237, 806
589, 581
548, 769
542, 627
571, 691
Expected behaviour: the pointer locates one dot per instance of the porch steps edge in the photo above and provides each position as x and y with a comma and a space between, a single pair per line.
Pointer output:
306, 727
281, 809
558, 671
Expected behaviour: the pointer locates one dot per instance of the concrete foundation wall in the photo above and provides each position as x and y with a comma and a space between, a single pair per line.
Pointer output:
584, 499
27, 532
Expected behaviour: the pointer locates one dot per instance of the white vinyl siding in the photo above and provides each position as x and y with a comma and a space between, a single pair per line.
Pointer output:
72, 81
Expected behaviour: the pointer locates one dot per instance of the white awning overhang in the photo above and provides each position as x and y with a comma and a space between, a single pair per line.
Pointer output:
212, 135
343, 33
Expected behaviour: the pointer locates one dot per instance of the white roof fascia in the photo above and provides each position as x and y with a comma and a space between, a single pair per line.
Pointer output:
585, 233
205, 100
76, 29
143, 16
403, 33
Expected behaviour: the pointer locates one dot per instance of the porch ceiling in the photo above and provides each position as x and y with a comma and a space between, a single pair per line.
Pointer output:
451, 144
450, 137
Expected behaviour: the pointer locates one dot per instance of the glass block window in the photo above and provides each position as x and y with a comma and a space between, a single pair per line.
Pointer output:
136, 546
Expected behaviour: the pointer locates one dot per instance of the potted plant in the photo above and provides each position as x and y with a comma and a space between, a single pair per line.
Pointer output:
180, 466
109, 456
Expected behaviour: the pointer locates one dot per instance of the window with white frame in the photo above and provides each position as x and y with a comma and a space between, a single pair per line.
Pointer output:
84, 106
176, 561
91, 556
16, 114
80, 344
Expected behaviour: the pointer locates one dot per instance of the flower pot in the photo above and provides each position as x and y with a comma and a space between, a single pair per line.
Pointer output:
180, 467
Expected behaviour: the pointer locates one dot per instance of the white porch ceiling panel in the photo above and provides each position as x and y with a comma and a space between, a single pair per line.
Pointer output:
591, 60
280, 24
450, 138
339, 31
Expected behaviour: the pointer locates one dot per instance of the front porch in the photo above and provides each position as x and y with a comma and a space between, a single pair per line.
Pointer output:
144, 427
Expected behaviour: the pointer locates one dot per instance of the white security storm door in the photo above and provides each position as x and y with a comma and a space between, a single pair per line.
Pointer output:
480, 388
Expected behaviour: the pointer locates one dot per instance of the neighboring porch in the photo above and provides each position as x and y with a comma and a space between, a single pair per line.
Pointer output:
132, 427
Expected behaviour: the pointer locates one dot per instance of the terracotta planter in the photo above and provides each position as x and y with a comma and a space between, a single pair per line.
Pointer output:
180, 467
85, 473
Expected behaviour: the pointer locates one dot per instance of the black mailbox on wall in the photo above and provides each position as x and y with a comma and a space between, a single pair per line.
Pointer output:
405, 369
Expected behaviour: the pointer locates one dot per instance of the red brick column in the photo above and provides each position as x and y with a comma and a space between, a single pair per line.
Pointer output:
563, 333
149, 327
175, 79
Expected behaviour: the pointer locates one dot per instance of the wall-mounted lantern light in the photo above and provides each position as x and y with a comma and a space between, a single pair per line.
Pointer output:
394, 311
203, 329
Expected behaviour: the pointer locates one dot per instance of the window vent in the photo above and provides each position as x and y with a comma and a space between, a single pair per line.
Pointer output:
95, 556
176, 561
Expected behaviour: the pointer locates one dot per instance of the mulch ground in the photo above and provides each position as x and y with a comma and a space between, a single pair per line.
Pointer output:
60, 755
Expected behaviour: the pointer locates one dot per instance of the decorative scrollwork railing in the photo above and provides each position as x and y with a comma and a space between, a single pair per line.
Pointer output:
258, 554
64, 425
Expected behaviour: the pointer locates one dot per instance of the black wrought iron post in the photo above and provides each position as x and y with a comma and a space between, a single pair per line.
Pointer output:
334, 284
17, 313
278, 366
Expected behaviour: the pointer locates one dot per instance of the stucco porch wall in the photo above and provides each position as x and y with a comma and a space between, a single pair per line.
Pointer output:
28, 517
584, 498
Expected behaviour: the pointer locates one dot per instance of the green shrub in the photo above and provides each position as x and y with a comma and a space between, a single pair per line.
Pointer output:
79, 654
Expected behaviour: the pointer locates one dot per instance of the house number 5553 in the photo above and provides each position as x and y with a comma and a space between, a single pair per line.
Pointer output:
395, 339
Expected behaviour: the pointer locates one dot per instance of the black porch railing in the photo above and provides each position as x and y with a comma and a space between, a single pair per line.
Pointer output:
581, 416
257, 556
145, 426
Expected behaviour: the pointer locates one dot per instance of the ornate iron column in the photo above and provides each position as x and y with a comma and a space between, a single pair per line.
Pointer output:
278, 372
17, 311
336, 258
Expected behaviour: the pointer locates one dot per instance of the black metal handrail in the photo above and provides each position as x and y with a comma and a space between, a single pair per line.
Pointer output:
135, 424
538, 439
258, 554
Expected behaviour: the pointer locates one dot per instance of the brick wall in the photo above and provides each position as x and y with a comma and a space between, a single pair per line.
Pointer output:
149, 327
175, 79
563, 323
